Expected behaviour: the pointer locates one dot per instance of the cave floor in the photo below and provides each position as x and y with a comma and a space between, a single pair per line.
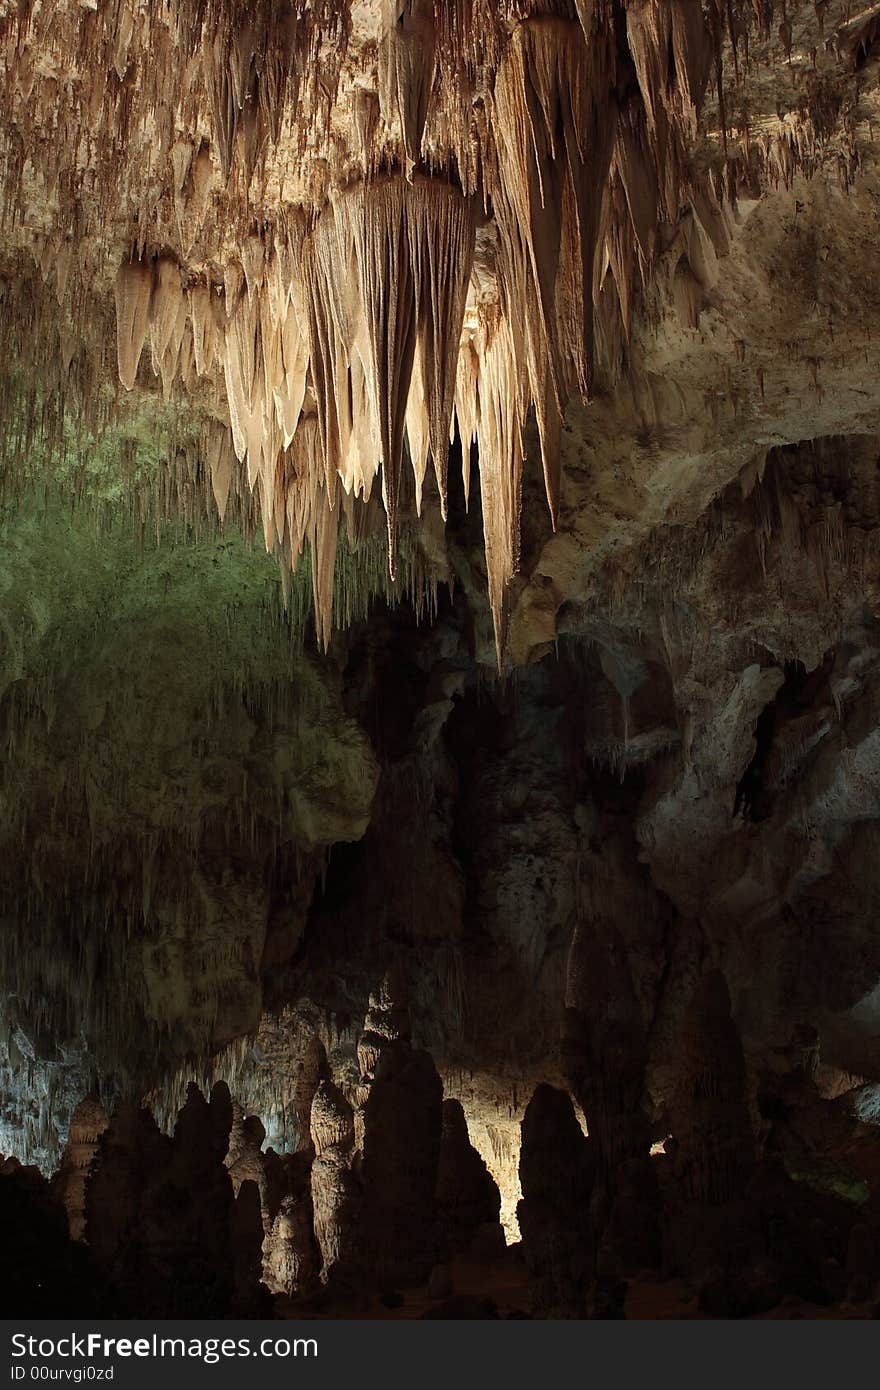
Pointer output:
501, 1290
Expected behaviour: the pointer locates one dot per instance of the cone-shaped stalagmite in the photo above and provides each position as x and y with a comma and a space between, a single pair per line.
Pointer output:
467, 1195
244, 1156
402, 1126
43, 1273
249, 1297
713, 1132
312, 1069
158, 1210
131, 1154
604, 1046
556, 1174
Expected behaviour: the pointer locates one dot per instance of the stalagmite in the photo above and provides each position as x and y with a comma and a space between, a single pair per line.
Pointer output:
604, 1045
401, 1123
556, 1174
132, 1155
244, 1155
336, 1187
87, 1123
388, 235
401, 1097
43, 1273
193, 1208
248, 1297
712, 1126
402, 1130
291, 1259
313, 1068
158, 1210
468, 1200
387, 1023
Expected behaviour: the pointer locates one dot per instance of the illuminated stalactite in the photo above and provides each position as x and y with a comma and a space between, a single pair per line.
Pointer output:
327, 171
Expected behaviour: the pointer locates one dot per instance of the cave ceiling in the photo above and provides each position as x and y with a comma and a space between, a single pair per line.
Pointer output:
342, 234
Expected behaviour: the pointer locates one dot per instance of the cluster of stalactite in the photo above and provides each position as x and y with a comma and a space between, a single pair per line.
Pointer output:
352, 234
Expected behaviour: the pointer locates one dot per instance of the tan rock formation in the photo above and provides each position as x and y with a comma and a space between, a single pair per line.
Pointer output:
244, 1156
335, 1185
372, 139
291, 1258
87, 1124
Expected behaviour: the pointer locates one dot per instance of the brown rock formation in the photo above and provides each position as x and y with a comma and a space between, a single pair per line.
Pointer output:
401, 1099
132, 1157
468, 1199
715, 1147
249, 1297
158, 1210
604, 1046
291, 1258
87, 1124
557, 1169
335, 1185
575, 126
312, 1070
244, 1157
387, 1022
